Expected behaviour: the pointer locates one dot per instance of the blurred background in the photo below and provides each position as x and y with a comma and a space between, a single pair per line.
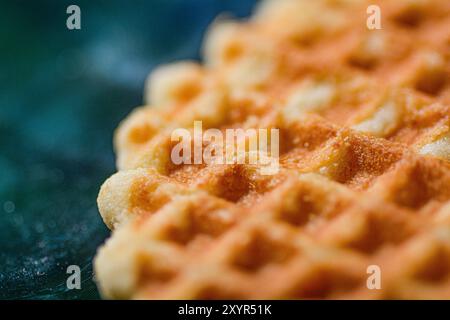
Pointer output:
62, 94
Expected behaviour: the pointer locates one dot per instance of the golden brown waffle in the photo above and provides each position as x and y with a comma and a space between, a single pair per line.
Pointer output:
364, 179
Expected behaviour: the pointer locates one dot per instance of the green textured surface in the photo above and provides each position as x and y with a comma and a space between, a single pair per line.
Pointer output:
62, 94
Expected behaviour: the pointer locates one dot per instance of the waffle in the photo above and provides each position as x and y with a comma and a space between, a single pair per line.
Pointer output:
364, 176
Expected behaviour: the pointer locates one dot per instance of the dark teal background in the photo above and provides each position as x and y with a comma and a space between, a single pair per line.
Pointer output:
62, 93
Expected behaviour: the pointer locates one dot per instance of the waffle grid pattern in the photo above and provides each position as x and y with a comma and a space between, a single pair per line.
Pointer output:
364, 120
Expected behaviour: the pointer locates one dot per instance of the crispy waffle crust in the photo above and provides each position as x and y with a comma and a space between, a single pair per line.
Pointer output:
364, 175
